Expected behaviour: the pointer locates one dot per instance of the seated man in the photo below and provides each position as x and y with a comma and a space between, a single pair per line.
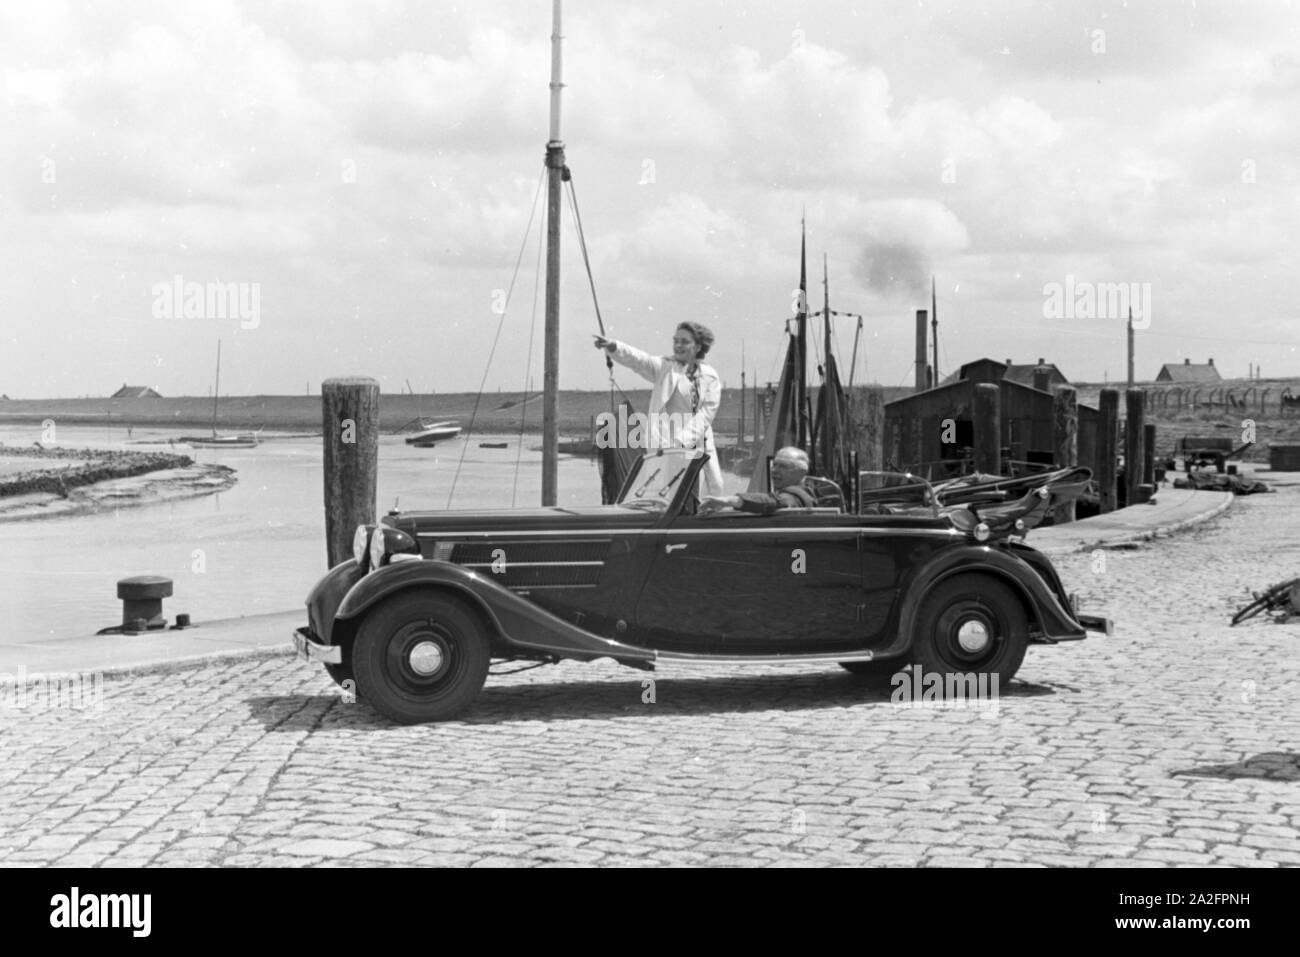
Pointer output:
789, 469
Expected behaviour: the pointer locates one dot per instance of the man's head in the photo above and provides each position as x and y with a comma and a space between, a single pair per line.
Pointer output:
789, 467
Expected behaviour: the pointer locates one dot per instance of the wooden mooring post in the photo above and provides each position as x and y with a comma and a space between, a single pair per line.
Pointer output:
350, 427
871, 424
1149, 454
1107, 450
1065, 440
987, 414
1134, 444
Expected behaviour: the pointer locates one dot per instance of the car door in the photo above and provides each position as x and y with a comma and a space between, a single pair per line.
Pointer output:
737, 583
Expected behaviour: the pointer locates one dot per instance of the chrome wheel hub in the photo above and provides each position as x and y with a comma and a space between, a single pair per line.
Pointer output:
973, 637
426, 658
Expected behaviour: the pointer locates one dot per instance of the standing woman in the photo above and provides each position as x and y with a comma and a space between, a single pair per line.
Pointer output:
685, 397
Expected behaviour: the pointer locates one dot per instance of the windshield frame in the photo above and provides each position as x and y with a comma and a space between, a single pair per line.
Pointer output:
664, 475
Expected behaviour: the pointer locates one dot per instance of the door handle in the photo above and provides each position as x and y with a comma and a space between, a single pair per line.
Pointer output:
669, 549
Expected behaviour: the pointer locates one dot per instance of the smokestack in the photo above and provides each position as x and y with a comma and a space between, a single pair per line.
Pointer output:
922, 363
1042, 376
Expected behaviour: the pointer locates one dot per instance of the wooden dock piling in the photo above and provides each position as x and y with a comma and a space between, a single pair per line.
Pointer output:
350, 424
1149, 454
1107, 450
987, 414
870, 409
1065, 440
1134, 465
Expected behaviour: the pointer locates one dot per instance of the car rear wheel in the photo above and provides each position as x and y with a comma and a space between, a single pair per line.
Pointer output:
971, 624
420, 657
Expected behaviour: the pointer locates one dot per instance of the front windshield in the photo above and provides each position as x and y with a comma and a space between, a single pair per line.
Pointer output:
893, 489
656, 478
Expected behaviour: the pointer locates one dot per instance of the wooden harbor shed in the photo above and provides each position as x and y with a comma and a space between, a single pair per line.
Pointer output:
918, 427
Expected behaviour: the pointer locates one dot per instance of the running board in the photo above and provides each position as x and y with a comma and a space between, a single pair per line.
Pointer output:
829, 657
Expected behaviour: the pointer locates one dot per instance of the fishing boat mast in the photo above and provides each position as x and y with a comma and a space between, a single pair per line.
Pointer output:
216, 391
555, 170
801, 336
934, 332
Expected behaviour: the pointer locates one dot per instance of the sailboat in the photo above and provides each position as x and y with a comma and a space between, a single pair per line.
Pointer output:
229, 440
433, 432
827, 437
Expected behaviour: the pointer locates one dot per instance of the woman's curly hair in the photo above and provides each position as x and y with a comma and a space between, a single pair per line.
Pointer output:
702, 334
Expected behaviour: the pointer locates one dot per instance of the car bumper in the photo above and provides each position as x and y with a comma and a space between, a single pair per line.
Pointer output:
310, 649
1097, 623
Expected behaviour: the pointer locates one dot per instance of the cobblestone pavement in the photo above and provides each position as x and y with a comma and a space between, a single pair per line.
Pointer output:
1171, 743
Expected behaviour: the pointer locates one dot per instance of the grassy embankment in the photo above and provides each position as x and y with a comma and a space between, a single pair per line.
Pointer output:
75, 468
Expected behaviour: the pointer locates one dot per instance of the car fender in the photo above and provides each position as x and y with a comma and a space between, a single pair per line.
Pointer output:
1054, 621
514, 620
327, 595
1044, 567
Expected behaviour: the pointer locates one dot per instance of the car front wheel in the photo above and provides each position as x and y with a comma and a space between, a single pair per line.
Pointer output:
420, 657
971, 624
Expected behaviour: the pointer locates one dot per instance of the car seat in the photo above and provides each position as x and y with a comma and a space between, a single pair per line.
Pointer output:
827, 492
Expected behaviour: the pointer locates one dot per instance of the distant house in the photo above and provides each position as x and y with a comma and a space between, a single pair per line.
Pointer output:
135, 392
1187, 372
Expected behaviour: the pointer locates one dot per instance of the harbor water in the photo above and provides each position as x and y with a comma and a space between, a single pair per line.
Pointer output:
253, 549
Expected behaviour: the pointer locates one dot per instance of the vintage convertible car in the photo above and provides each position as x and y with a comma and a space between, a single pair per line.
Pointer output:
896, 579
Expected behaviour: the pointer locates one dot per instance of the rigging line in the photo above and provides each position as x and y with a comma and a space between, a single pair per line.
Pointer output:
591, 279
586, 260
1116, 336
1181, 335
505, 310
778, 358
528, 363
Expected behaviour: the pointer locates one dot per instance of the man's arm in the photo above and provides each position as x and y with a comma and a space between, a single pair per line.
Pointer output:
759, 503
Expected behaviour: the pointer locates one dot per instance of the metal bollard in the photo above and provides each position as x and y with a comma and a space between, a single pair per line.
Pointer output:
142, 597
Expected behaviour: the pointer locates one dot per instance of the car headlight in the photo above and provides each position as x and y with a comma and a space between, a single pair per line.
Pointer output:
360, 542
386, 543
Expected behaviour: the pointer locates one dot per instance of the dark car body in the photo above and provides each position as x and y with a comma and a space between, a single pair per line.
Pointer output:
653, 580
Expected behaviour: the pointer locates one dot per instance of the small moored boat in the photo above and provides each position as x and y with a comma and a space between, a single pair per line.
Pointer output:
432, 434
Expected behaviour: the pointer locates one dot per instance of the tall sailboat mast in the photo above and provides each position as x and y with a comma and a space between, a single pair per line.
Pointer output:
740, 433
934, 331
216, 391
826, 307
801, 387
551, 353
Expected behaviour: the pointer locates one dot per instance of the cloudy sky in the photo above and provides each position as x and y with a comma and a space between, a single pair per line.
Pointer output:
365, 174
